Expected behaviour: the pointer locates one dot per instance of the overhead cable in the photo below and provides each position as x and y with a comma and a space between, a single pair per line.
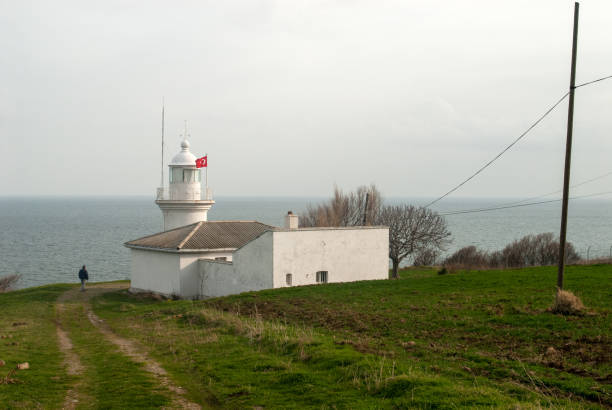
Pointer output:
594, 81
470, 211
516, 140
502, 152
557, 191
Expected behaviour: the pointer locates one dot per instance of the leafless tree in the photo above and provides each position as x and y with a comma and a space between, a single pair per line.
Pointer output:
530, 250
345, 209
412, 230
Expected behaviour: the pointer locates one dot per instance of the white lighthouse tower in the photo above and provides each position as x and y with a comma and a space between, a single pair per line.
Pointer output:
182, 203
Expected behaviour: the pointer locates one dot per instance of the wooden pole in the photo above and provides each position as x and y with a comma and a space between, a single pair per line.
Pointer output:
365, 209
568, 153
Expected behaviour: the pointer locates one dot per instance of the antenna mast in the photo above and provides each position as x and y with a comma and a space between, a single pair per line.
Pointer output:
162, 145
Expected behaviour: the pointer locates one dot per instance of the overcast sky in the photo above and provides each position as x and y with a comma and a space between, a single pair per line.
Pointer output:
289, 98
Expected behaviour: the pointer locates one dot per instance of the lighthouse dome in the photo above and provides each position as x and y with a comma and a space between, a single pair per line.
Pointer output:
185, 157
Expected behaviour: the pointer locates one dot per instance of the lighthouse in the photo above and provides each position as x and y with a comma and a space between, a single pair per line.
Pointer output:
182, 203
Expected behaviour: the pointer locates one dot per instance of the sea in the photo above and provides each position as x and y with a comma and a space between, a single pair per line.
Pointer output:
47, 239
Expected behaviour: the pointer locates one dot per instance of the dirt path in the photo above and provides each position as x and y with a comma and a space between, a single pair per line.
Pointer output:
71, 360
128, 347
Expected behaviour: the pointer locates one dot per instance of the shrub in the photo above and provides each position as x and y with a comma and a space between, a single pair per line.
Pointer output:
468, 257
566, 303
536, 250
426, 257
530, 250
7, 282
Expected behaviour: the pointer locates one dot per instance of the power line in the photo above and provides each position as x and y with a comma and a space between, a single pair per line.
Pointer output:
470, 211
501, 153
516, 140
559, 190
594, 81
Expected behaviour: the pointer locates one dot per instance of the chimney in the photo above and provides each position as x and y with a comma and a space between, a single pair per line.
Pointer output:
291, 221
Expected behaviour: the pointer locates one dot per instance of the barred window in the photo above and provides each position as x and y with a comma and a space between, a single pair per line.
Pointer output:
322, 276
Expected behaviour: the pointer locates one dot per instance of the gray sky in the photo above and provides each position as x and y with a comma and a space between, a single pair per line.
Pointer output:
290, 97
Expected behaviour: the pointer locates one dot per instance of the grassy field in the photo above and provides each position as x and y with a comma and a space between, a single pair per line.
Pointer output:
27, 334
471, 339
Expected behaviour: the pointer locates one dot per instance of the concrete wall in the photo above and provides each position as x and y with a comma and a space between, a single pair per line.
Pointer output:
169, 273
190, 271
251, 269
177, 217
346, 254
155, 272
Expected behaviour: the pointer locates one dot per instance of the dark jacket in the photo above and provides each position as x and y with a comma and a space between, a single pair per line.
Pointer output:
83, 274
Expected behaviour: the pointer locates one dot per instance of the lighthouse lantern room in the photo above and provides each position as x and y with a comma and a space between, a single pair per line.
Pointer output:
182, 203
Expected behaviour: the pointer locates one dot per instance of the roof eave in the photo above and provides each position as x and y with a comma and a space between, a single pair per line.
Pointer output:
176, 250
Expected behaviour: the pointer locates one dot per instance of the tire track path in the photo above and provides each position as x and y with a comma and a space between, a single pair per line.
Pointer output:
128, 347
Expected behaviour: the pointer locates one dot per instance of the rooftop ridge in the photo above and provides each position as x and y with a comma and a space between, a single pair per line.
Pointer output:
194, 230
158, 233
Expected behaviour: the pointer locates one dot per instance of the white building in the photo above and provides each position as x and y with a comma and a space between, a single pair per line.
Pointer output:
195, 258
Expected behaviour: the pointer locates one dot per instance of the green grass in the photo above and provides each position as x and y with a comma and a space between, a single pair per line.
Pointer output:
471, 339
479, 340
27, 334
110, 380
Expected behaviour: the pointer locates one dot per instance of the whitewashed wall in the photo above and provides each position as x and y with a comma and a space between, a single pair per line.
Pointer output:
251, 270
155, 272
169, 273
346, 254
176, 217
189, 271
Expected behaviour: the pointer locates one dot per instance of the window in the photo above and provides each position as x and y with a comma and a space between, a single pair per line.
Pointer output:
288, 279
322, 276
178, 175
191, 175
221, 258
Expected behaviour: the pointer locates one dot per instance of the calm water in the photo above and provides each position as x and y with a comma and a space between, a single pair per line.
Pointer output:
46, 240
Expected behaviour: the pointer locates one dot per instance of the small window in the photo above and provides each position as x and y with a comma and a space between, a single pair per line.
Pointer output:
176, 175
191, 175
322, 276
221, 258
288, 279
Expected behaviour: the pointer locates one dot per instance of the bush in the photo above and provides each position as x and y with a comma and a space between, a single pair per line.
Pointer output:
426, 257
530, 250
537, 250
468, 257
566, 303
7, 282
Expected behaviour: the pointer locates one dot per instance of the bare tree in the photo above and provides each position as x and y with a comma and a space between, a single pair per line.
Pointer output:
345, 209
412, 230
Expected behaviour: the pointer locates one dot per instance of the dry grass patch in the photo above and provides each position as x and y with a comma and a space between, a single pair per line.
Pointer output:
566, 303
7, 282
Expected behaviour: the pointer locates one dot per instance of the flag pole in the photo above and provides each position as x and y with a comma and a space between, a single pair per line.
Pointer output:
207, 198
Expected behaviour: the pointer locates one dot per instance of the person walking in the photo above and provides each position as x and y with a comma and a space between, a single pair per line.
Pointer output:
83, 275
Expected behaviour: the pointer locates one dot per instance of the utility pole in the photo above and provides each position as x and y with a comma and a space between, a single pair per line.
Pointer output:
365, 209
568, 153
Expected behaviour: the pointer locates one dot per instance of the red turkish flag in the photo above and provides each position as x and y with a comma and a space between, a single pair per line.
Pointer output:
202, 162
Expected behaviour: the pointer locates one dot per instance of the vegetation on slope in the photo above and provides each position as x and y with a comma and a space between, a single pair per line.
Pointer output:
27, 335
471, 339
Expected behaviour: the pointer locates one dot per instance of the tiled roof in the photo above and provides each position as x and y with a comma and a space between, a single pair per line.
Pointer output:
204, 235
